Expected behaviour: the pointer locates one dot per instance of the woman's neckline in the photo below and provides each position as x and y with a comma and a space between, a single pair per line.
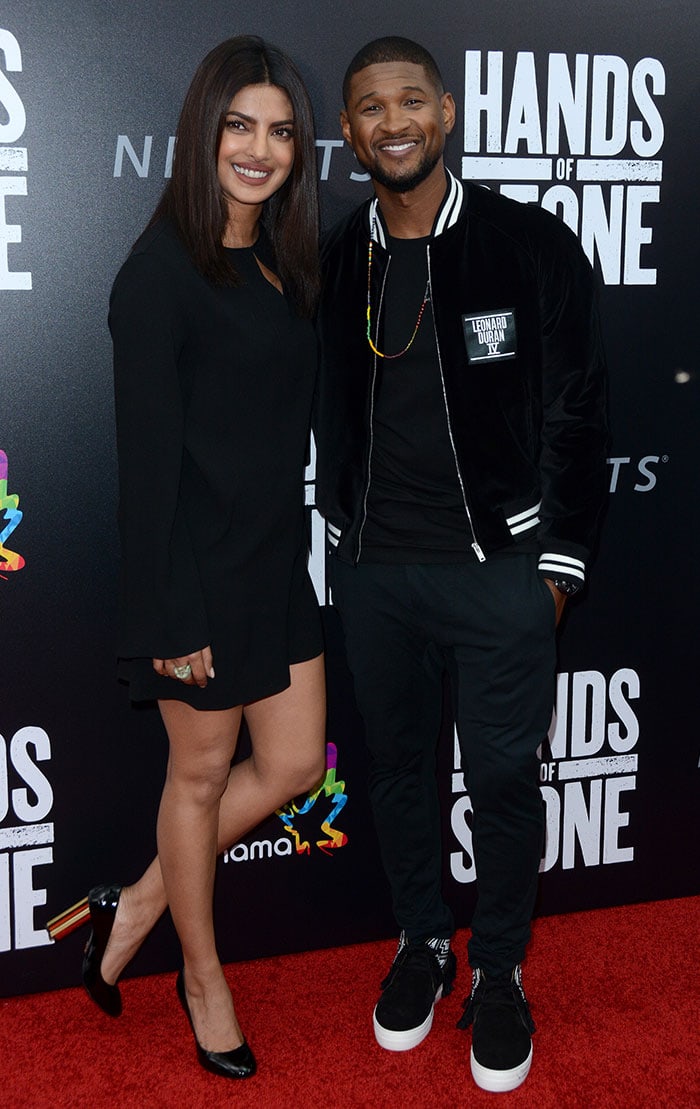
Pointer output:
252, 247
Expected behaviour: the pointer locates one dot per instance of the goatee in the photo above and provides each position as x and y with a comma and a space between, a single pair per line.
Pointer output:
408, 182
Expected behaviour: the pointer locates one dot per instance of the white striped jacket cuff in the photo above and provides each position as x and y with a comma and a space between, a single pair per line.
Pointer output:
524, 521
561, 566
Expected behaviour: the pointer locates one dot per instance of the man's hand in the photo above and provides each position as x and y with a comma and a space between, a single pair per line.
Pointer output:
559, 599
200, 664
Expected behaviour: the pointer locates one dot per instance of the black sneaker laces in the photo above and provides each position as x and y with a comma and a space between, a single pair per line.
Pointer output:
506, 992
419, 956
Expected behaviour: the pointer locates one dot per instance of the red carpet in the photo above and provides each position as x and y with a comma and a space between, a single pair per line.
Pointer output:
615, 994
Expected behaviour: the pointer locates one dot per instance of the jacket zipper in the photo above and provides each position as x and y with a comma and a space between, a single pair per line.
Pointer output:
475, 544
371, 420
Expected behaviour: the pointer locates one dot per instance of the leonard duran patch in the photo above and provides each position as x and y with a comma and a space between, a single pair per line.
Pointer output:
490, 336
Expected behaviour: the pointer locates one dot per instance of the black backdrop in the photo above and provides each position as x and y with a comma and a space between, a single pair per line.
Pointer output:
588, 110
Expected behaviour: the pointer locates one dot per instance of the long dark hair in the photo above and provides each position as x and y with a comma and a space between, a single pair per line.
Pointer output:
193, 198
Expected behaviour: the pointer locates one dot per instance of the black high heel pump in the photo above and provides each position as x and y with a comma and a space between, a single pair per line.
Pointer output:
102, 902
238, 1063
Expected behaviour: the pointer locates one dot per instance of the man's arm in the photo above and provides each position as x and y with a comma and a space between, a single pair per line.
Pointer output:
574, 435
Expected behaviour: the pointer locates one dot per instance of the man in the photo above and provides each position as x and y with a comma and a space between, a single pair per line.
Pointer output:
461, 468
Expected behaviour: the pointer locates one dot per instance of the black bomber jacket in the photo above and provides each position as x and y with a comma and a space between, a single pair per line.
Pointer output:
522, 368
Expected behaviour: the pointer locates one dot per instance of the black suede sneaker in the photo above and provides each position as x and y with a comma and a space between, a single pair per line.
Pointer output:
404, 1013
501, 1046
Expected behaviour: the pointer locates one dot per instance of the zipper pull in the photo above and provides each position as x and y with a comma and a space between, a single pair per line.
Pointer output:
478, 551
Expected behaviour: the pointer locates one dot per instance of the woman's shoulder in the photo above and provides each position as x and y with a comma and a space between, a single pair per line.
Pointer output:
158, 257
161, 244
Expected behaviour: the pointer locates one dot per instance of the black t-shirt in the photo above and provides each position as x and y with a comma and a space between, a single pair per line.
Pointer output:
415, 508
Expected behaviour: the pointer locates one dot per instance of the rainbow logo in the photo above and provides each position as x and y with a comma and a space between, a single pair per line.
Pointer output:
330, 787
9, 560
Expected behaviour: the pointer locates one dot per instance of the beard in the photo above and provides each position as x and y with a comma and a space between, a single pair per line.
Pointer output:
404, 183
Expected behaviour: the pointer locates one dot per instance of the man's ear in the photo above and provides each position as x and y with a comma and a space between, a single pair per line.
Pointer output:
345, 127
449, 111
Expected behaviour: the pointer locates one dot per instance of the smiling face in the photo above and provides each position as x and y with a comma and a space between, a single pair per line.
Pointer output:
396, 122
256, 151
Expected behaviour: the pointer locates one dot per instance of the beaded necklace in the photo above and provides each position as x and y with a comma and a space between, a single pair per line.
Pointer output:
426, 298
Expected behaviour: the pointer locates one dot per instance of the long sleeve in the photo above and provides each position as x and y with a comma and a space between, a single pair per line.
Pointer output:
572, 462
162, 609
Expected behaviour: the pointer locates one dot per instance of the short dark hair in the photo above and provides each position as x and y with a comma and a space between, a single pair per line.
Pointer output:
193, 199
392, 48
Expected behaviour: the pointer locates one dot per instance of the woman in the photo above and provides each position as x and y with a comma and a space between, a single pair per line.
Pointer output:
214, 363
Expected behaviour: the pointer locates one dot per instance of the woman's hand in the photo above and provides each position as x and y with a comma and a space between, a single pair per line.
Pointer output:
193, 669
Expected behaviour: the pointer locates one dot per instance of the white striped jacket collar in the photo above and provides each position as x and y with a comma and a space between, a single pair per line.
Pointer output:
448, 212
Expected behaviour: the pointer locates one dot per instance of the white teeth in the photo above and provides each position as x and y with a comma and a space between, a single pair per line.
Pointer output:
258, 174
400, 147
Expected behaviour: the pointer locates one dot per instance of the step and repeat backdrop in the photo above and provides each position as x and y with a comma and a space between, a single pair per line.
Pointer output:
588, 111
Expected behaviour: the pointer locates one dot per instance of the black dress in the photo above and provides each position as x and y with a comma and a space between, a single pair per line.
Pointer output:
213, 390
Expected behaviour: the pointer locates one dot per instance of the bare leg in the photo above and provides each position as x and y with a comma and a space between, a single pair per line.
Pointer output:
287, 733
201, 748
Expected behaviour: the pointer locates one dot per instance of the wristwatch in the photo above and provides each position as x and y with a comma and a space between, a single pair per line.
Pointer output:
566, 587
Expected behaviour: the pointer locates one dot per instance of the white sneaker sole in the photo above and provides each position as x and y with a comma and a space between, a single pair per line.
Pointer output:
500, 1081
407, 1039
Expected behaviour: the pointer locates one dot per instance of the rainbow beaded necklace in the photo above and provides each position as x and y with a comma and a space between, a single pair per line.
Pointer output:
426, 298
